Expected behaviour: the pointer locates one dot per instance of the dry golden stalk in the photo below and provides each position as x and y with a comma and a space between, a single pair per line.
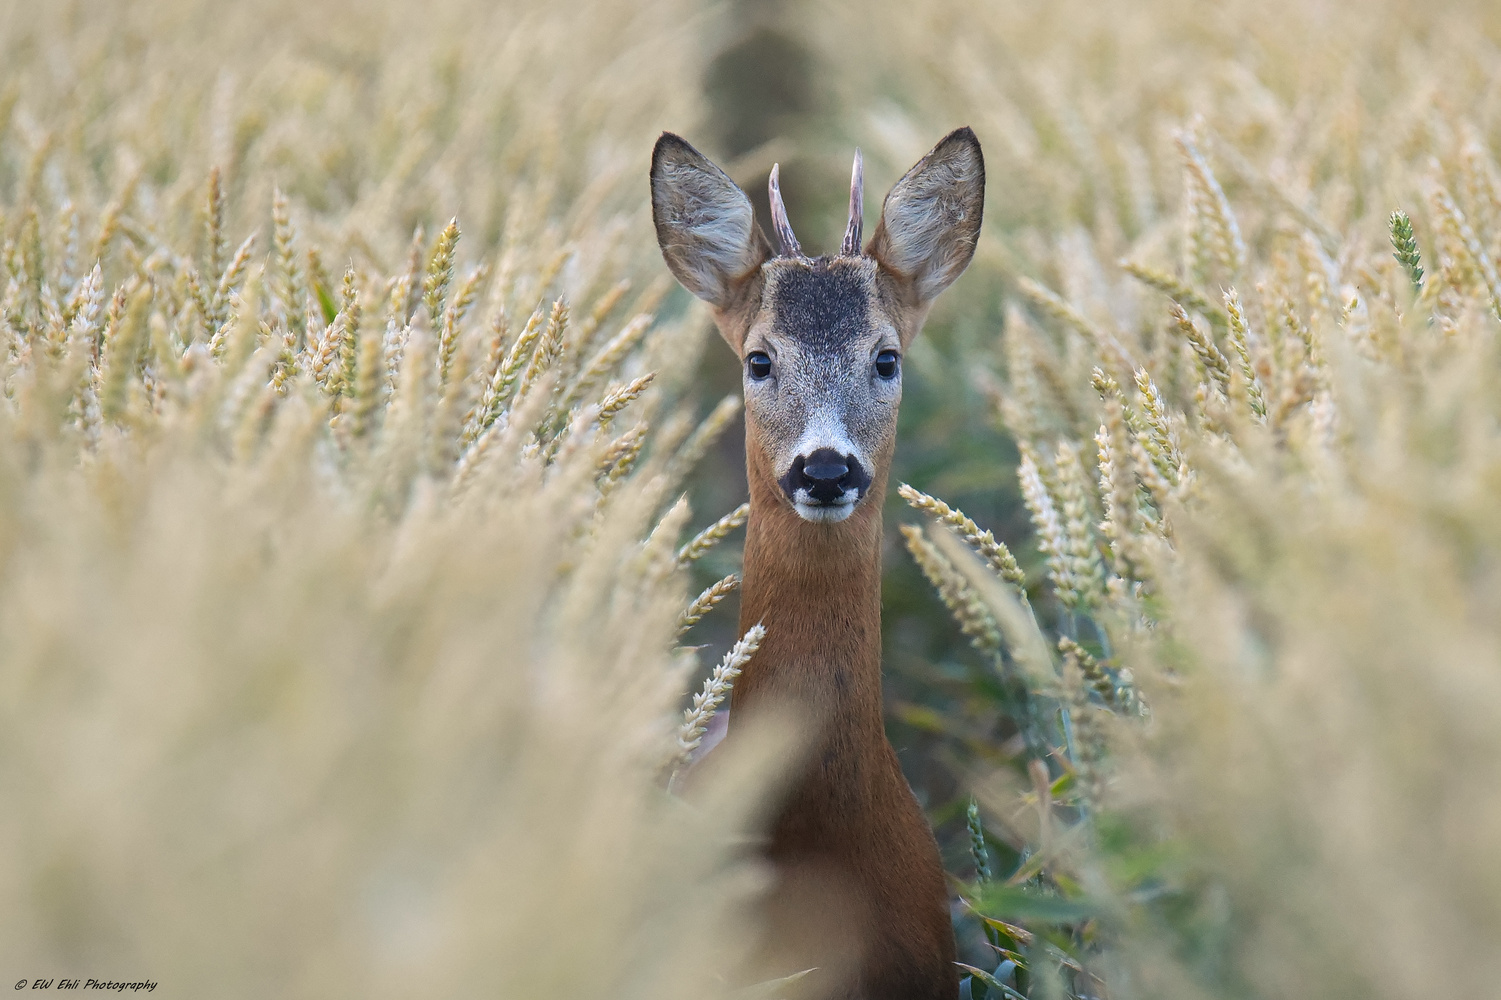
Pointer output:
621, 457
1085, 573
556, 338
1158, 488
692, 451
369, 385
229, 334
549, 272
984, 543
610, 356
1213, 231
450, 414
215, 242
30, 243
1117, 477
1035, 384
716, 690
163, 363
495, 355
407, 287
251, 427
707, 601
1176, 290
193, 317
439, 272
122, 351
109, 227
1239, 339
1156, 433
1459, 228
549, 344
116, 312
1101, 682
1105, 341
713, 535
55, 328
285, 339
1209, 355
461, 303
320, 288
498, 393
394, 340
66, 270
83, 330
657, 557
453, 314
326, 367
970, 612
229, 283
74, 299
652, 295
1482, 191
347, 322
600, 311
290, 289
1051, 540
621, 396
499, 330
1301, 334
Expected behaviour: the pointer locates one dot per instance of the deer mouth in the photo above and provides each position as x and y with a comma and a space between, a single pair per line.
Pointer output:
825, 486
825, 513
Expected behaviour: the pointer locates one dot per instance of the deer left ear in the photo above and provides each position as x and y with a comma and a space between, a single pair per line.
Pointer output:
705, 224
931, 219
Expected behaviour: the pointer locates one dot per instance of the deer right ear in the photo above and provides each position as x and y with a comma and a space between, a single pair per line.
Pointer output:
706, 226
931, 219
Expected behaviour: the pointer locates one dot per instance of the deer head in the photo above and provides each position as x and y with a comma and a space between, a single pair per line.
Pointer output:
820, 339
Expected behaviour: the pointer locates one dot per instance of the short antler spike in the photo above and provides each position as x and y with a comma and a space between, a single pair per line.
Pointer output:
851, 245
785, 236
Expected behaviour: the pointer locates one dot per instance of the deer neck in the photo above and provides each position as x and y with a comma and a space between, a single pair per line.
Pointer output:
817, 589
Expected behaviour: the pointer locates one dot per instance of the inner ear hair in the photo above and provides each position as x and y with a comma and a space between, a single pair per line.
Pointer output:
930, 220
705, 224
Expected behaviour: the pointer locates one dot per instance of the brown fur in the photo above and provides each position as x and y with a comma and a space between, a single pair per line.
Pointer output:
860, 891
852, 845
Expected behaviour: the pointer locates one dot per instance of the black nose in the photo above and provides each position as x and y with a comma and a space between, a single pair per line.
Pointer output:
826, 466
826, 476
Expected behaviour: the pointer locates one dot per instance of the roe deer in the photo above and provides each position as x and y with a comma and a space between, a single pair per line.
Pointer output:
860, 888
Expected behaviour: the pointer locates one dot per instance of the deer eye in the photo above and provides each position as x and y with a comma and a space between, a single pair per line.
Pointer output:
758, 364
886, 364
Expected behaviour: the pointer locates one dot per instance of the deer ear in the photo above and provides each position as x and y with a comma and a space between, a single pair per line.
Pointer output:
931, 219
705, 224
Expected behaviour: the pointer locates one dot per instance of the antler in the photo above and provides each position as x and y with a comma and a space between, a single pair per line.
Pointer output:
785, 236
851, 245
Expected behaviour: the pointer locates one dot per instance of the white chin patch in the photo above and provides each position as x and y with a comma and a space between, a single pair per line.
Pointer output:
826, 513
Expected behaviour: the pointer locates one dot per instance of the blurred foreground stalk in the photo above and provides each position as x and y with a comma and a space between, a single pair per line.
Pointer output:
336, 598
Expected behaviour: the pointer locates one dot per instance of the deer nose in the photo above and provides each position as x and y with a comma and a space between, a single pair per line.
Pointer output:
826, 477
825, 466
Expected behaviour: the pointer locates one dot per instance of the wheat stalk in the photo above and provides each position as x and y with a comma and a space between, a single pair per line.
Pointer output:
716, 689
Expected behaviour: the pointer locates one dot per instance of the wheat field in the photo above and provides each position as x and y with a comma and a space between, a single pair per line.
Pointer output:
356, 484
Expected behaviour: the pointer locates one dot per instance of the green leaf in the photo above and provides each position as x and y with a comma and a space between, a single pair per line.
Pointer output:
991, 982
1016, 904
921, 717
1019, 936
326, 302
